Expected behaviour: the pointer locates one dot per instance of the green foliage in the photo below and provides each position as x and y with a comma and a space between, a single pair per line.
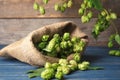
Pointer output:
60, 46
42, 45
117, 38
70, 3
35, 73
97, 4
59, 75
77, 57
103, 22
36, 6
42, 10
104, 17
112, 39
114, 53
56, 7
85, 12
58, 70
45, 1
45, 38
95, 68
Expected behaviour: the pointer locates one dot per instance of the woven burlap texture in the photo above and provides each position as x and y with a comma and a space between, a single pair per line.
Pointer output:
25, 50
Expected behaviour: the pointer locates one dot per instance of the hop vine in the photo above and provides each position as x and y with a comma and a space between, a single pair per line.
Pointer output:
105, 18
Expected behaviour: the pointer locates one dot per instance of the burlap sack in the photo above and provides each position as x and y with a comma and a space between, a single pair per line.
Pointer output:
25, 50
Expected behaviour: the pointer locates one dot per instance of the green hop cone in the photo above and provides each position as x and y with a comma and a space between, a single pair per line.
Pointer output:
84, 19
89, 15
74, 63
57, 38
82, 44
108, 17
65, 5
52, 54
45, 37
69, 43
66, 36
70, 3
103, 13
63, 45
117, 38
48, 65
77, 48
42, 45
112, 52
89, 4
110, 44
77, 57
51, 45
81, 11
45, 1
65, 69
62, 8
56, 7
82, 67
74, 39
113, 16
59, 75
57, 48
83, 6
41, 10
59, 68
117, 53
72, 67
55, 66
85, 1
63, 62
36, 6
112, 37
47, 74
86, 63
97, 27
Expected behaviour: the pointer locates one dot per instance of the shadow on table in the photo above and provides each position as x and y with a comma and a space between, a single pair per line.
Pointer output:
91, 58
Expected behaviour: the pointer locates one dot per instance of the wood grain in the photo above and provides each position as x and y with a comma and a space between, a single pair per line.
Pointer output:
23, 9
12, 69
12, 30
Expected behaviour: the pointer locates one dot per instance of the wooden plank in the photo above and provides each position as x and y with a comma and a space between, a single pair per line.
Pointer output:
14, 29
98, 56
23, 9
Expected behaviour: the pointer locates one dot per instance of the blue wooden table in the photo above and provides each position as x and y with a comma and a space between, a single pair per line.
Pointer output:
12, 69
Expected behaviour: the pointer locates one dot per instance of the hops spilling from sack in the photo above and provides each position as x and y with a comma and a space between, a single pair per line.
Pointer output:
60, 46
60, 69
37, 48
